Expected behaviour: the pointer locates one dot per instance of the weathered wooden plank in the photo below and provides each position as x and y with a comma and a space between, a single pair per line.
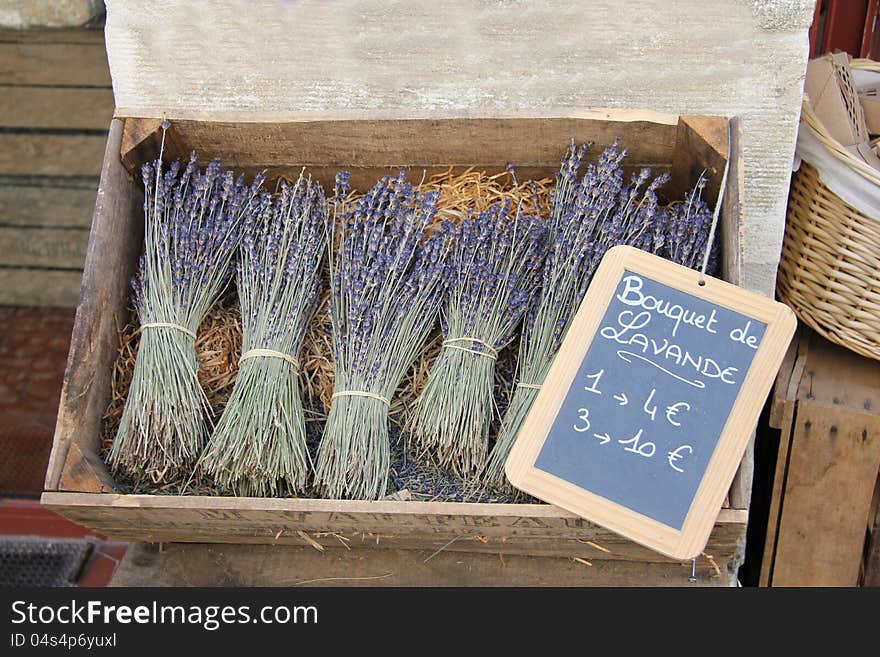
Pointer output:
54, 64
39, 287
836, 376
242, 141
61, 248
115, 239
50, 155
67, 207
780, 397
772, 530
872, 547
835, 454
512, 528
55, 107
80, 35
240, 565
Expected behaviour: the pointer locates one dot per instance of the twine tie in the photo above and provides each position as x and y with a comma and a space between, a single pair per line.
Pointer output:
171, 325
489, 353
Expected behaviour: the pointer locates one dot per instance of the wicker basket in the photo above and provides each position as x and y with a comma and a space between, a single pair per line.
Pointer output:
829, 271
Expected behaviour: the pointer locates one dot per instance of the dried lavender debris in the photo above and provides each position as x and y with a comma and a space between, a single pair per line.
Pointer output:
259, 444
588, 215
493, 272
385, 284
193, 223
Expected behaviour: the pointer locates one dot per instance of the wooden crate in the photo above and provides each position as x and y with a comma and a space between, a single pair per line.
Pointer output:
55, 104
823, 503
79, 486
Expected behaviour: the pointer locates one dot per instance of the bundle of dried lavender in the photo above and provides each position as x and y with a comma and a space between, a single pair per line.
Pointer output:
385, 287
588, 215
193, 223
259, 444
493, 272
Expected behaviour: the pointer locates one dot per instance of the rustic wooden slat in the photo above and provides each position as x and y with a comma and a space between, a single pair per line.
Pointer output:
512, 528
61, 248
39, 287
835, 454
248, 565
79, 35
836, 376
282, 141
68, 207
872, 547
50, 155
54, 64
729, 144
115, 240
55, 107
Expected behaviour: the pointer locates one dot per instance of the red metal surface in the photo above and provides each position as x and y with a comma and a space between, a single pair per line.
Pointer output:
870, 47
841, 25
28, 518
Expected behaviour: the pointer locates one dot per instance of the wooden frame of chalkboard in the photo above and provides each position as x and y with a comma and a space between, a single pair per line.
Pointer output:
683, 536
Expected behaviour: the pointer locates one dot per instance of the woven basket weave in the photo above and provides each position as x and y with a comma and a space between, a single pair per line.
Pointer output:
830, 266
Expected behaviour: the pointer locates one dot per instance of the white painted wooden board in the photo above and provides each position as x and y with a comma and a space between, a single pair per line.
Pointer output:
368, 58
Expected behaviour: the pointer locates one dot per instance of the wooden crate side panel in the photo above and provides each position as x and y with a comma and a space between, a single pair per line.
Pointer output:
701, 147
249, 144
833, 462
836, 376
513, 528
248, 565
111, 256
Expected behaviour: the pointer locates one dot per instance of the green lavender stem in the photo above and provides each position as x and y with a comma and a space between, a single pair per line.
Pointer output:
355, 457
259, 445
166, 417
455, 410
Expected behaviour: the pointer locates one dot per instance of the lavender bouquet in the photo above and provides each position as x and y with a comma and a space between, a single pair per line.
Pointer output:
193, 224
259, 444
385, 292
494, 270
588, 215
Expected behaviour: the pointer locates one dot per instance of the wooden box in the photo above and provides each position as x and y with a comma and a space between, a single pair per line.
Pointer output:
78, 485
824, 518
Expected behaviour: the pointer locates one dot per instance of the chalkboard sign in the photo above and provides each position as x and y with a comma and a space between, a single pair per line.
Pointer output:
651, 400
